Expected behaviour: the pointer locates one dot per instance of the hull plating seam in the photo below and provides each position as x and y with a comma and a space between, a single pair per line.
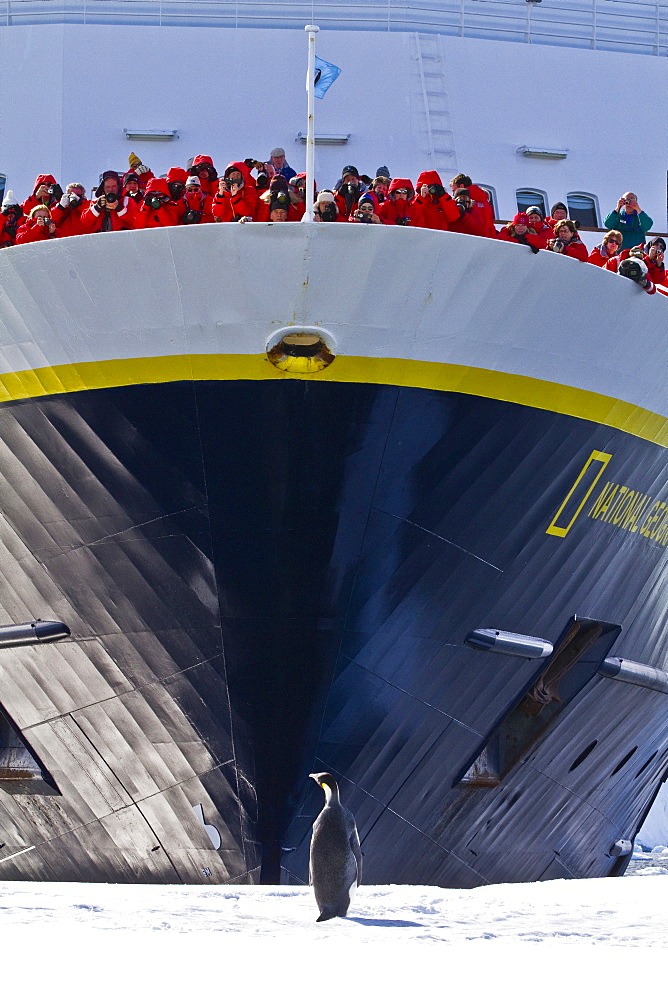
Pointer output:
502, 386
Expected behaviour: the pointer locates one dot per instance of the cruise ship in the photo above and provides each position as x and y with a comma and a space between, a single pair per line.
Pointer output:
382, 501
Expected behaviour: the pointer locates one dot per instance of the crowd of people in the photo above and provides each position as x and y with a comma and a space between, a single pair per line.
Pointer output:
255, 191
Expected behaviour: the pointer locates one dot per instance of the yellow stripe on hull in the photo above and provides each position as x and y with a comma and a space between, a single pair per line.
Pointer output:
519, 389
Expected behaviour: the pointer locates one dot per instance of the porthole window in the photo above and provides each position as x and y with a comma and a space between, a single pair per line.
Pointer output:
491, 194
646, 764
583, 208
624, 761
583, 756
530, 196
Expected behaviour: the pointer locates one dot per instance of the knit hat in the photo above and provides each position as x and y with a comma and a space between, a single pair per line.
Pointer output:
521, 219
383, 172
657, 242
326, 198
558, 204
350, 170
535, 210
9, 201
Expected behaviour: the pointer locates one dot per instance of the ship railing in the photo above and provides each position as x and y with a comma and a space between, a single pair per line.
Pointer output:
637, 26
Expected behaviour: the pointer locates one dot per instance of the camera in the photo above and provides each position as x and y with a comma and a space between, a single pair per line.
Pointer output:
74, 200
436, 190
280, 200
55, 191
153, 200
558, 245
361, 216
404, 222
111, 198
191, 217
328, 213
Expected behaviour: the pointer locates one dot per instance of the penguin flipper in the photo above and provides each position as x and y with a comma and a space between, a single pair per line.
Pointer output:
357, 851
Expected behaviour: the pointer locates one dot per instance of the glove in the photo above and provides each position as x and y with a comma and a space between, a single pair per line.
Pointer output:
64, 201
141, 169
436, 190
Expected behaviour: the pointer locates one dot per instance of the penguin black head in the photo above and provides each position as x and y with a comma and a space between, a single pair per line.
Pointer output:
327, 783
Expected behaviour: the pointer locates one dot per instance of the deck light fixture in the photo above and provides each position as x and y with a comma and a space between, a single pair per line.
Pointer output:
329, 139
538, 153
151, 134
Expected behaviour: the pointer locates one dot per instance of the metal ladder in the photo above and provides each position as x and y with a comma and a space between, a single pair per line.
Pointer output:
440, 139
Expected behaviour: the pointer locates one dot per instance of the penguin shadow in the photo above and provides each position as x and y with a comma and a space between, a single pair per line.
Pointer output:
379, 922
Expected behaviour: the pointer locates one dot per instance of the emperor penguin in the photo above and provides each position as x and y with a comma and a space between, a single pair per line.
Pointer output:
335, 868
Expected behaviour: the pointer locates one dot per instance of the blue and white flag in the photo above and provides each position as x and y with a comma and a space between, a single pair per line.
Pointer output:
325, 75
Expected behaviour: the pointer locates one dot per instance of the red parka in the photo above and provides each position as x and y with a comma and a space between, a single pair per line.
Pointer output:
430, 212
527, 239
167, 214
481, 201
656, 273
474, 222
244, 203
596, 257
32, 201
208, 186
68, 220
394, 211
32, 232
93, 220
574, 248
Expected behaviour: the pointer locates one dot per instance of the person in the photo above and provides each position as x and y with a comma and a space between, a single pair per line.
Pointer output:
38, 226
277, 196
433, 208
365, 211
132, 189
472, 220
347, 191
69, 210
397, 210
325, 208
198, 206
636, 269
630, 220
567, 241
237, 195
298, 194
280, 164
651, 253
609, 247
158, 208
202, 167
144, 173
109, 212
558, 213
480, 200
519, 231
46, 191
11, 217
539, 226
379, 191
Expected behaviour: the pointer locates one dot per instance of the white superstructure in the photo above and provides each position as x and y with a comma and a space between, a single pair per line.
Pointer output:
456, 86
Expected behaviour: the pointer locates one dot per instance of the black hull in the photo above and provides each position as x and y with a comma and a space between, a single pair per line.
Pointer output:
266, 578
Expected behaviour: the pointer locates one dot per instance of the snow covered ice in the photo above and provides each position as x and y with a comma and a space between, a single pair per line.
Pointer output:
608, 935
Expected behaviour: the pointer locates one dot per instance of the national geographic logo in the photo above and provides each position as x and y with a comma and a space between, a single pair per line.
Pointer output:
615, 503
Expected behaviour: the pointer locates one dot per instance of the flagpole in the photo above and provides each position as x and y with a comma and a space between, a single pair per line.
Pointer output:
310, 131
